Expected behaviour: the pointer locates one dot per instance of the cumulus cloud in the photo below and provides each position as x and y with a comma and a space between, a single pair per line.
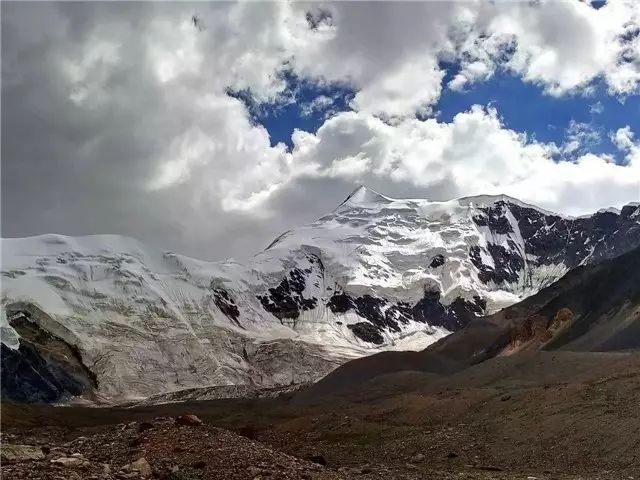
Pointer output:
563, 46
117, 118
580, 137
473, 154
389, 54
624, 139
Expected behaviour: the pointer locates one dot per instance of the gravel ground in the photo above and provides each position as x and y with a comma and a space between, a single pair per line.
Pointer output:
563, 416
160, 449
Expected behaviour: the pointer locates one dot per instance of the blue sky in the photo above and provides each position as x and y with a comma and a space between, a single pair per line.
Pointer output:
295, 108
523, 106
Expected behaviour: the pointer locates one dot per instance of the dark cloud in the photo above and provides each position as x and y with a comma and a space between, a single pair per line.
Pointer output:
84, 168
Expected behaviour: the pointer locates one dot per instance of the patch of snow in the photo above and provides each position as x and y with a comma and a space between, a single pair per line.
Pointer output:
8, 336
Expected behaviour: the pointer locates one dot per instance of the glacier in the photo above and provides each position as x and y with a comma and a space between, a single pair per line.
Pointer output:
375, 274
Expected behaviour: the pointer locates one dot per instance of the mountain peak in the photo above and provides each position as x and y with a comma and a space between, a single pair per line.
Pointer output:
364, 194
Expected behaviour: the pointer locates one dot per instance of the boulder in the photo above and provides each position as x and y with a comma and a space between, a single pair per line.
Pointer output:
70, 462
188, 420
21, 453
142, 467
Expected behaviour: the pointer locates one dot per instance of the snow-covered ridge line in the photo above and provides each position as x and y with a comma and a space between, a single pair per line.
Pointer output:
365, 195
374, 274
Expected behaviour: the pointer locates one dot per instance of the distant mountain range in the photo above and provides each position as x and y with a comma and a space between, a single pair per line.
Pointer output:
107, 319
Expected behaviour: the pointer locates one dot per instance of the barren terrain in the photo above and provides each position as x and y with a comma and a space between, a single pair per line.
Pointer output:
537, 414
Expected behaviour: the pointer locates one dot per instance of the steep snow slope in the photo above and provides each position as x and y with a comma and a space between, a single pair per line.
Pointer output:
375, 274
146, 321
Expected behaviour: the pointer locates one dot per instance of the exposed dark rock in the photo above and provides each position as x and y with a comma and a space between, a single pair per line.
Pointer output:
367, 332
44, 368
340, 303
551, 239
370, 307
452, 317
398, 313
427, 310
373, 309
628, 210
506, 264
485, 271
495, 218
226, 304
285, 301
480, 220
437, 261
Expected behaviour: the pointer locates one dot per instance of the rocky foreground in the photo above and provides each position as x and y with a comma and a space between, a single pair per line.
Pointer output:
174, 449
576, 420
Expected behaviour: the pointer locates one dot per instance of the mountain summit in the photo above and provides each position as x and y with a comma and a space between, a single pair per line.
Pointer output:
363, 195
109, 319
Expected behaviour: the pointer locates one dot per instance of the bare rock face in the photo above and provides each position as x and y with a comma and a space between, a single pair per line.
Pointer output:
44, 367
107, 319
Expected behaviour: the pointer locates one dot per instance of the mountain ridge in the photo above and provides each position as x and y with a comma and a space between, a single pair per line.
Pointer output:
374, 274
593, 308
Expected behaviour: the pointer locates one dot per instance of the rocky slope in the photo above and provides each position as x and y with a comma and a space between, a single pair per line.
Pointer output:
545, 415
593, 308
163, 448
109, 319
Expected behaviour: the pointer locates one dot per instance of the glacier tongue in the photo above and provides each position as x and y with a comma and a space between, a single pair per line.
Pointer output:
376, 273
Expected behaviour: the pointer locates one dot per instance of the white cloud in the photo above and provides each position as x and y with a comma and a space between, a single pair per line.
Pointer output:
321, 102
597, 108
562, 45
471, 72
413, 87
391, 55
473, 154
623, 138
119, 115
579, 137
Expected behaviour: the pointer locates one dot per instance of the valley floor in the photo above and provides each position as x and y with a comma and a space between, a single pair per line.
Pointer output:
543, 415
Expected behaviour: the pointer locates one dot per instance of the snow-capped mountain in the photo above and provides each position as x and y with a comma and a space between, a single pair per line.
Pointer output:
111, 319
